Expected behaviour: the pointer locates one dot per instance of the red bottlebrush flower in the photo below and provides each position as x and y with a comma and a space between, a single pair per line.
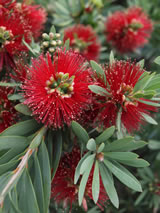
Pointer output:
7, 112
57, 92
34, 15
63, 188
11, 36
128, 30
121, 76
6, 5
84, 40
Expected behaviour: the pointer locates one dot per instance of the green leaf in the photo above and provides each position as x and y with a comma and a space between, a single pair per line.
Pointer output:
61, 9
145, 94
57, 150
118, 123
37, 183
29, 47
143, 81
38, 138
157, 60
121, 155
141, 197
104, 136
83, 183
5, 84
14, 97
91, 145
77, 172
100, 148
22, 128
154, 145
4, 180
98, 69
67, 44
86, 163
80, 132
111, 58
123, 175
141, 63
98, 3
46, 174
125, 144
27, 202
11, 153
135, 162
22, 108
13, 204
7, 142
53, 30
96, 183
99, 90
149, 119
149, 103
154, 83
8, 166
109, 185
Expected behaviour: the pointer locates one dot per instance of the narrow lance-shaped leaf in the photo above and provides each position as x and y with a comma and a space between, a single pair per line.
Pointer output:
5, 84
46, 174
53, 30
99, 90
22, 108
149, 103
98, 69
38, 138
121, 155
86, 163
96, 183
37, 183
157, 60
80, 132
135, 162
91, 145
149, 119
125, 144
111, 58
27, 202
77, 172
123, 175
105, 135
22, 128
109, 185
67, 44
57, 150
84, 182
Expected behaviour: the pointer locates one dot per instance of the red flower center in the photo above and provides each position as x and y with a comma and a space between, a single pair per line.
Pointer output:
62, 84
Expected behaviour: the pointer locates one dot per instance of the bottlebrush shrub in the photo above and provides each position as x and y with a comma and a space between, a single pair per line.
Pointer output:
128, 30
48, 157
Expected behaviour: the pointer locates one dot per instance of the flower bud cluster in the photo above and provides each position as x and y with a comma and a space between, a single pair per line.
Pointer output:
50, 42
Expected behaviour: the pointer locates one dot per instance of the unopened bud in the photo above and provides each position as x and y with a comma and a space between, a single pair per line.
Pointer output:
51, 49
58, 35
59, 42
53, 43
45, 43
51, 35
100, 156
45, 36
